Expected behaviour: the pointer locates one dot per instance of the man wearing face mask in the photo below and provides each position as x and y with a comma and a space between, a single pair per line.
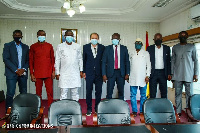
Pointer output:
115, 66
140, 68
69, 66
92, 57
160, 66
185, 68
16, 60
41, 63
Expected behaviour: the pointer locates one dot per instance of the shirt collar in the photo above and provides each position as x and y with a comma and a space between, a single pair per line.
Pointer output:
16, 44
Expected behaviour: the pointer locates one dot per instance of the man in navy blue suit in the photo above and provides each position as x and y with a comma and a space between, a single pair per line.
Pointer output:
16, 60
115, 66
160, 66
92, 58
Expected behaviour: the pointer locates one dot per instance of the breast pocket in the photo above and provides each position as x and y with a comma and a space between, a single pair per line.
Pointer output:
188, 53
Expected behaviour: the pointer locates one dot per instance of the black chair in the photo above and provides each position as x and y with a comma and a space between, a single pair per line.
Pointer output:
113, 111
26, 109
193, 112
158, 110
66, 112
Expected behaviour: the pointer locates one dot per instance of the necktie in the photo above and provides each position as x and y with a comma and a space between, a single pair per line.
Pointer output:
95, 50
116, 58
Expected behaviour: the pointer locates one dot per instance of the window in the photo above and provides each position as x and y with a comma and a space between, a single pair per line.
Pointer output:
196, 85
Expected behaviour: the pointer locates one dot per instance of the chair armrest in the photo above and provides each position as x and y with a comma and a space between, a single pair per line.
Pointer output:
84, 120
39, 116
177, 118
132, 119
7, 114
94, 119
142, 118
190, 116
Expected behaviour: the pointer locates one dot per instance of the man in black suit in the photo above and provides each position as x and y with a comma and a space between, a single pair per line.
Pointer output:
160, 66
92, 58
16, 60
115, 66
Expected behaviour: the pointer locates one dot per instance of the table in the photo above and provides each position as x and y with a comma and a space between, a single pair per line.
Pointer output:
177, 128
133, 128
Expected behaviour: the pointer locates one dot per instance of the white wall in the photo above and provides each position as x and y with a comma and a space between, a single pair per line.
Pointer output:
177, 23
129, 32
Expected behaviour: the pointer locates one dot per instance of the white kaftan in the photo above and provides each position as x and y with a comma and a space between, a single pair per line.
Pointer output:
68, 64
140, 67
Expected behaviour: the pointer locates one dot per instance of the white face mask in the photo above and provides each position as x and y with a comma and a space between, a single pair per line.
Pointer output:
94, 41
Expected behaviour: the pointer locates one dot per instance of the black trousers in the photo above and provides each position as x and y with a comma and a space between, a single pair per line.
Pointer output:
158, 77
98, 81
120, 85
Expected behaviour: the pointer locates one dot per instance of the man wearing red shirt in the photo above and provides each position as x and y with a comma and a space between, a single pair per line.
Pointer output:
41, 63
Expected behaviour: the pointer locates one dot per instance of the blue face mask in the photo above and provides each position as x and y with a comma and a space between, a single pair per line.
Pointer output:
138, 46
115, 42
94, 41
41, 38
69, 39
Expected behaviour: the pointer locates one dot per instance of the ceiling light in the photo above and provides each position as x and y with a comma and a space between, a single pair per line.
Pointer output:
81, 8
66, 5
70, 12
162, 3
69, 5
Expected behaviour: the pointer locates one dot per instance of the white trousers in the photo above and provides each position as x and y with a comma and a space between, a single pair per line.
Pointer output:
74, 93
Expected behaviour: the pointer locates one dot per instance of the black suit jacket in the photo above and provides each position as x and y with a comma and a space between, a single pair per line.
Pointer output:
89, 62
166, 59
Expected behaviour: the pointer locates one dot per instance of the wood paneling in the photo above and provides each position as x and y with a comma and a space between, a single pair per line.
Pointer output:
175, 36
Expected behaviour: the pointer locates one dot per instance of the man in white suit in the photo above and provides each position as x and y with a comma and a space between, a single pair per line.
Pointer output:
69, 66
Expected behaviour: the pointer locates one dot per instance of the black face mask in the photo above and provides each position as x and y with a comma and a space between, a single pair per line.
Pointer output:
183, 39
158, 42
17, 39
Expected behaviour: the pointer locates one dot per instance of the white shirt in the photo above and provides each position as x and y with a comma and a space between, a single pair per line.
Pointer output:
93, 50
68, 64
140, 67
159, 63
118, 53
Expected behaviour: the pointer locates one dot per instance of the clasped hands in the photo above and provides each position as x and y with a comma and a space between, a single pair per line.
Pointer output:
20, 72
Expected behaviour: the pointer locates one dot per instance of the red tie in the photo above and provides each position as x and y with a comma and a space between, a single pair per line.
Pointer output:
116, 58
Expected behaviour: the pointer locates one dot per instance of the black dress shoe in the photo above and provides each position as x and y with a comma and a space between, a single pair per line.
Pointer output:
179, 114
89, 112
135, 114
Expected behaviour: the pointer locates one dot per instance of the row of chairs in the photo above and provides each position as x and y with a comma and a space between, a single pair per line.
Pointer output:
26, 109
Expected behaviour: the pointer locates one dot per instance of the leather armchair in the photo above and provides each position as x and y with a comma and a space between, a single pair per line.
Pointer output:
113, 111
26, 109
66, 112
194, 108
158, 110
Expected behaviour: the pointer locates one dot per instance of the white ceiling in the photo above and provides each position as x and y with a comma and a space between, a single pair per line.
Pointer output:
98, 10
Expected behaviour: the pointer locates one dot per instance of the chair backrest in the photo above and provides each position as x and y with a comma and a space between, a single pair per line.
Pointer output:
65, 112
158, 110
113, 111
195, 106
25, 108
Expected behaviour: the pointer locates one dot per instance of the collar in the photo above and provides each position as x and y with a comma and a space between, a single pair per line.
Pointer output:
18, 45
